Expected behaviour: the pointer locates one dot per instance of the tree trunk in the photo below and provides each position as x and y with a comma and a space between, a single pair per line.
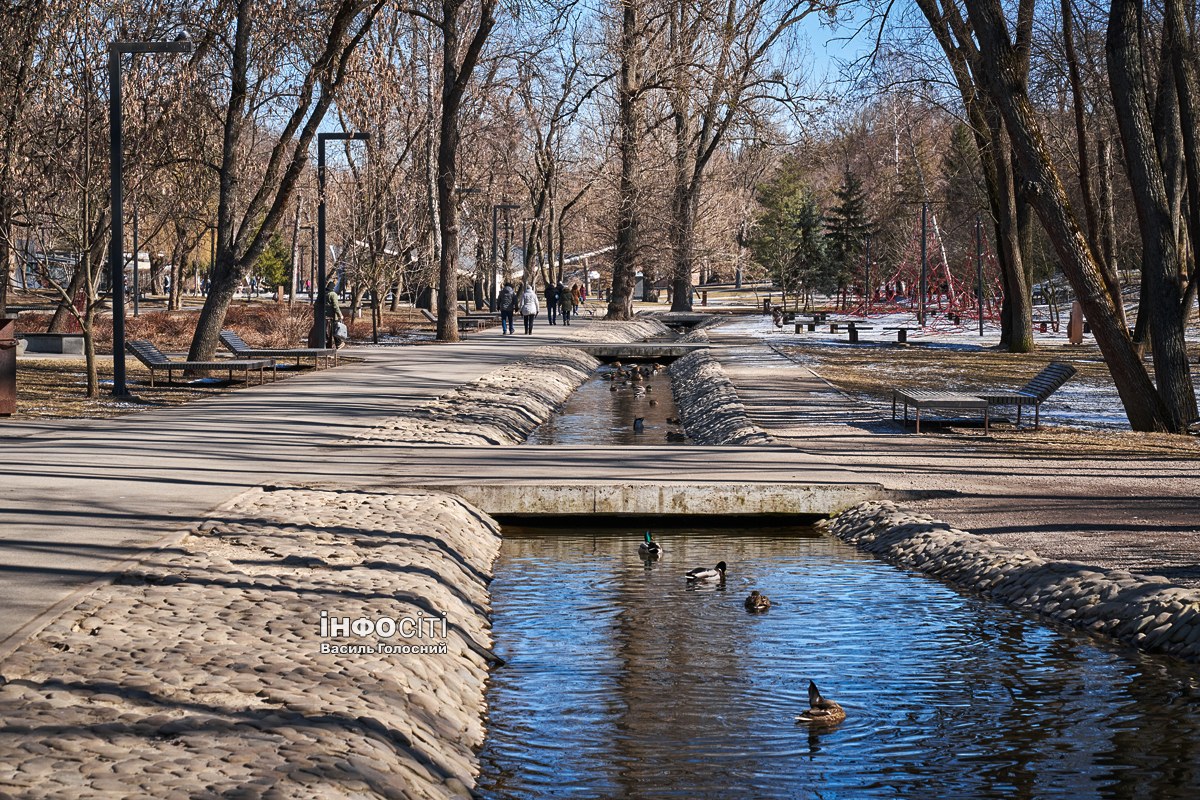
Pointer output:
685, 208
1161, 267
624, 280
1142, 403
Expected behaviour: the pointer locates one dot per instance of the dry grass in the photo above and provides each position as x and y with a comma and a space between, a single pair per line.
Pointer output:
55, 388
873, 371
261, 324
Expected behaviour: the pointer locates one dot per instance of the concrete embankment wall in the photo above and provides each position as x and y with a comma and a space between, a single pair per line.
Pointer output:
1145, 611
201, 672
708, 403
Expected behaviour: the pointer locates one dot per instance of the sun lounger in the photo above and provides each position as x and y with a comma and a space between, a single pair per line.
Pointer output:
1034, 393
239, 348
155, 360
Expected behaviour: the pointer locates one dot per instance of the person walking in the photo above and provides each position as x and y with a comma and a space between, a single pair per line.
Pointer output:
529, 308
507, 303
333, 315
552, 303
564, 304
574, 298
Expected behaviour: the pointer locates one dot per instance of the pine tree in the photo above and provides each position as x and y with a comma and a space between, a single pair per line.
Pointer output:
789, 240
847, 227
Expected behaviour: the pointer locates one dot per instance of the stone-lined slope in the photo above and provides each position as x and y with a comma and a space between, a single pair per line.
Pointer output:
200, 672
1145, 611
708, 404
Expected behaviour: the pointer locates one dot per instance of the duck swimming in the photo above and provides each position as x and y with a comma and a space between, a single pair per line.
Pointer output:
707, 574
821, 712
757, 602
650, 548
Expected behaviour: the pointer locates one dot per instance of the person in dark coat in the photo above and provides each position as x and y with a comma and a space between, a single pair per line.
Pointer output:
564, 303
507, 303
552, 303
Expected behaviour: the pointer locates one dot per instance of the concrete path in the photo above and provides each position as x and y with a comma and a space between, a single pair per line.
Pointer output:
81, 497
1127, 509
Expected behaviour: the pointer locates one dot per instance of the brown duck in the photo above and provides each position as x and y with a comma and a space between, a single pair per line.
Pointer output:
821, 713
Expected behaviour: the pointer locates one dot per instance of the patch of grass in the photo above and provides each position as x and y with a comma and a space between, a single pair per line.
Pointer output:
56, 388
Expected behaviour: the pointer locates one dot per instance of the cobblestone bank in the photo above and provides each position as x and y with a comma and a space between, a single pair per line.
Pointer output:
1145, 611
502, 407
708, 404
200, 672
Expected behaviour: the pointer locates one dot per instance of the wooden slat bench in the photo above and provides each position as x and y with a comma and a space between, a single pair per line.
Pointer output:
1034, 393
155, 360
921, 399
240, 349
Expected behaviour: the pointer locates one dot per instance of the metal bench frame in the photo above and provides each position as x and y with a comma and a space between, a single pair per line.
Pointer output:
933, 399
154, 359
1034, 393
236, 345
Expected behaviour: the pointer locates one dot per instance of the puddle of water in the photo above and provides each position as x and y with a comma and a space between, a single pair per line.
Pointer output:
595, 414
622, 681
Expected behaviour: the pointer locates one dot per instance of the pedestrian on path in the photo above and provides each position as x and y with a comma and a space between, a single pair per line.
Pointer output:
552, 303
507, 301
529, 308
564, 304
333, 314
574, 298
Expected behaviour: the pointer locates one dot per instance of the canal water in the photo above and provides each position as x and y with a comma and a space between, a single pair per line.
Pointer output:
624, 682
595, 414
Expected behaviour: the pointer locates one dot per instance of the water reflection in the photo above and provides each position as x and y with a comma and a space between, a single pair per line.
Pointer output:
595, 414
624, 682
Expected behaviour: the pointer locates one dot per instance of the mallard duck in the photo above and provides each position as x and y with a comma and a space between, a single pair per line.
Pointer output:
673, 421
650, 548
676, 436
612, 388
653, 402
707, 574
821, 712
757, 602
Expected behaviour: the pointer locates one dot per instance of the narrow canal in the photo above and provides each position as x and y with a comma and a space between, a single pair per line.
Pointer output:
624, 682
604, 410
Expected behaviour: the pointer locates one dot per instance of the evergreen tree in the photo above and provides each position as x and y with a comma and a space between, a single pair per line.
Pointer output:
789, 241
847, 227
274, 265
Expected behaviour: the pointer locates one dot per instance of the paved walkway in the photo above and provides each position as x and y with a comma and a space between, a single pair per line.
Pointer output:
81, 497
1125, 509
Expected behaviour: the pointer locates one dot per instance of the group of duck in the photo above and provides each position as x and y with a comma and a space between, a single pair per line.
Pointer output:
635, 375
822, 712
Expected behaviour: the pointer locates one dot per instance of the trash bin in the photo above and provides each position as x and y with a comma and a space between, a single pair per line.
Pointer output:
8, 364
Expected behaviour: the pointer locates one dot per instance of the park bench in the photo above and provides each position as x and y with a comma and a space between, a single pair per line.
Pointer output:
240, 349
901, 334
1034, 393
923, 399
465, 324
155, 360
854, 328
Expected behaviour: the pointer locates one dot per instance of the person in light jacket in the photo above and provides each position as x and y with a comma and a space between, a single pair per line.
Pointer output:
529, 307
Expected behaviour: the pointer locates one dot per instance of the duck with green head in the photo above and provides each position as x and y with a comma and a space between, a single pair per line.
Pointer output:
650, 548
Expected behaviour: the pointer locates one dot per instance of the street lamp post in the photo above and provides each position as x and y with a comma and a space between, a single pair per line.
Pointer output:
116, 254
322, 138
